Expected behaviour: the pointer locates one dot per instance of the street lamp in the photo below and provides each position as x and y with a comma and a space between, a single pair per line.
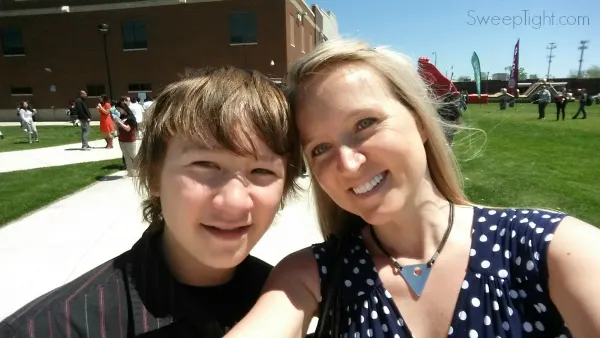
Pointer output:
103, 29
435, 58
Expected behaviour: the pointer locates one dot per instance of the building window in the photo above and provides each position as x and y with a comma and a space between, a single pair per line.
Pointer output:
140, 88
302, 38
95, 90
134, 35
292, 29
243, 28
21, 91
12, 41
311, 42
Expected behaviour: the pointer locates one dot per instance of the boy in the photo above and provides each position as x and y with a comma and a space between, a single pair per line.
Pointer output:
216, 161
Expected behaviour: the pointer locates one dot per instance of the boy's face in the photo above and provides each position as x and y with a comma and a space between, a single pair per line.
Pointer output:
217, 205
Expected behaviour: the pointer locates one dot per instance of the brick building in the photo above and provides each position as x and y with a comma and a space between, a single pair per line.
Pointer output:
50, 49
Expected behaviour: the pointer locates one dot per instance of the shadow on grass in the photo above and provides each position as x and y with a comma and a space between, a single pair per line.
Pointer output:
113, 167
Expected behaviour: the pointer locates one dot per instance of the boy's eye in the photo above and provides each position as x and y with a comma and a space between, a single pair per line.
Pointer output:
365, 123
205, 164
262, 171
319, 149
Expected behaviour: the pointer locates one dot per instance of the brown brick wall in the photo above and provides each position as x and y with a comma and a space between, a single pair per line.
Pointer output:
179, 36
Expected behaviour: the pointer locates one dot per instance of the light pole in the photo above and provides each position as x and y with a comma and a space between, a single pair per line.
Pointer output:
103, 29
434, 58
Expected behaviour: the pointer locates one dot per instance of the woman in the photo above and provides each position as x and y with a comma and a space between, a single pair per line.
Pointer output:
561, 103
127, 136
27, 122
106, 123
406, 254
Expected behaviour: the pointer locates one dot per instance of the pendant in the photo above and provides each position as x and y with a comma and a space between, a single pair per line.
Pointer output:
416, 276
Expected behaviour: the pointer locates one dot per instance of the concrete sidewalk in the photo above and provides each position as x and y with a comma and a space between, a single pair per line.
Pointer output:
57, 156
62, 241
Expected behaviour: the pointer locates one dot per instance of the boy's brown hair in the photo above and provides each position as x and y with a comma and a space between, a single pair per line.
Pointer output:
229, 105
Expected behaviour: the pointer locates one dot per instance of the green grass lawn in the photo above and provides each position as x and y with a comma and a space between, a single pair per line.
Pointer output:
527, 162
16, 139
26, 191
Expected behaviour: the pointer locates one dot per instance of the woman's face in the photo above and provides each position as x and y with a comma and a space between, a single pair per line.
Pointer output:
363, 146
25, 104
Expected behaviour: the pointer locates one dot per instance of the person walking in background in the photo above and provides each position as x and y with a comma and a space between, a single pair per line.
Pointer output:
464, 96
543, 99
138, 112
561, 103
26, 115
114, 114
127, 125
583, 98
106, 123
147, 102
72, 113
1, 136
85, 117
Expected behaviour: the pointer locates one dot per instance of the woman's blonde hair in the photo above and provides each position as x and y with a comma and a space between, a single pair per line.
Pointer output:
409, 88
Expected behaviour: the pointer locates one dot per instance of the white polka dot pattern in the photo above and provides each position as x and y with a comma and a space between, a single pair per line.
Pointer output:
502, 295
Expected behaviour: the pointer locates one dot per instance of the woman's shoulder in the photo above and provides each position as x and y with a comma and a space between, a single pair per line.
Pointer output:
517, 218
512, 239
298, 270
305, 260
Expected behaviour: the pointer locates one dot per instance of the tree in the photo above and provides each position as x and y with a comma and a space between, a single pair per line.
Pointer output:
533, 77
463, 79
522, 72
593, 72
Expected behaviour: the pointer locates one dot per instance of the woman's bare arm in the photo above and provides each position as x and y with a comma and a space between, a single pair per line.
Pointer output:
574, 272
290, 299
123, 125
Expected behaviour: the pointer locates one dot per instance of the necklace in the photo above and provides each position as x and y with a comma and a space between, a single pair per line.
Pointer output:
416, 275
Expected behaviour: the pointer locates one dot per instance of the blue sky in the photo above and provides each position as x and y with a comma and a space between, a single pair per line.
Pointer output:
455, 29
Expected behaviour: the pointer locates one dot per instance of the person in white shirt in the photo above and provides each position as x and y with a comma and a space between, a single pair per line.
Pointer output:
26, 115
138, 112
147, 102
543, 100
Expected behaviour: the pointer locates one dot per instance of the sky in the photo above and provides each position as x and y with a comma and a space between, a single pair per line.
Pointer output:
456, 29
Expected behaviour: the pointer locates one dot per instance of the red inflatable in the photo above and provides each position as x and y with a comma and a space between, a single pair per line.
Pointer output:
441, 85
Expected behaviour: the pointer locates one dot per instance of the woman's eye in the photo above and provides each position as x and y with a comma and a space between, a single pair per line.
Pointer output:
205, 164
318, 150
262, 171
365, 123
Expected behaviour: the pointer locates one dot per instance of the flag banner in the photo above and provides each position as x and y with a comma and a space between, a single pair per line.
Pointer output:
514, 73
476, 72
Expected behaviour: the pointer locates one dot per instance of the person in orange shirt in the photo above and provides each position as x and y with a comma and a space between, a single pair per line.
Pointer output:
106, 124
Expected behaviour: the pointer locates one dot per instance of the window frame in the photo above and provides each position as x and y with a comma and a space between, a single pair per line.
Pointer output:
92, 89
18, 48
245, 36
29, 92
138, 31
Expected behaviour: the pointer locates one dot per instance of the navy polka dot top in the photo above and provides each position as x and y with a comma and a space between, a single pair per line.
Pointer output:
504, 294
